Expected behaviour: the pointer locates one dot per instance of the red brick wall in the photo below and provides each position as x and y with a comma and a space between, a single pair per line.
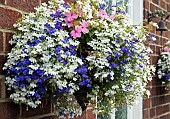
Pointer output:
10, 11
158, 105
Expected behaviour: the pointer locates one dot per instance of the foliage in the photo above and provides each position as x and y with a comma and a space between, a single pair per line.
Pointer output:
164, 66
62, 47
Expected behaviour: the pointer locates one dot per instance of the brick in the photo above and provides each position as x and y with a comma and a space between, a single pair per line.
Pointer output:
162, 4
152, 113
166, 34
50, 117
146, 4
146, 114
2, 87
159, 110
8, 38
83, 116
2, 1
146, 103
154, 60
44, 108
90, 114
25, 5
153, 47
158, 50
8, 18
44, 1
155, 1
9, 110
166, 108
156, 81
164, 117
2, 61
1, 41
168, 7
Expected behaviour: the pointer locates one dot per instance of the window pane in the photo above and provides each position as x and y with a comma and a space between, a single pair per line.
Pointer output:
106, 116
121, 112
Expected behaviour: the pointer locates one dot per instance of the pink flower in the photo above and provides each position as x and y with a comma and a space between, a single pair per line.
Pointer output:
103, 14
76, 33
69, 23
70, 16
112, 16
166, 49
84, 26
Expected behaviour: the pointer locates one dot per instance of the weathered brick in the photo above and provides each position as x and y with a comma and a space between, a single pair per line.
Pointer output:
159, 110
146, 4
146, 103
152, 112
155, 1
168, 7
8, 18
162, 4
1, 41
158, 50
2, 1
146, 114
8, 38
154, 60
26, 5
9, 110
90, 114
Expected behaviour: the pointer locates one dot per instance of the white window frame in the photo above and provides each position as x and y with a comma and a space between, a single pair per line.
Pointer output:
136, 14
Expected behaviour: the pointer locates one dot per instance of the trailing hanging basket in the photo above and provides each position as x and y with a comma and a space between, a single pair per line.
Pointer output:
78, 54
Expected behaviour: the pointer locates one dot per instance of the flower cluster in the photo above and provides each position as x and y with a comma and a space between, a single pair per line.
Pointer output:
64, 47
164, 66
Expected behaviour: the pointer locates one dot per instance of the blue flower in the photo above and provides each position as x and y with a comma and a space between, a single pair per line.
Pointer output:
39, 72
108, 58
116, 54
22, 85
88, 85
167, 76
59, 58
15, 83
125, 50
34, 77
113, 65
82, 83
140, 66
42, 37
36, 95
118, 41
65, 62
73, 52
102, 6
58, 49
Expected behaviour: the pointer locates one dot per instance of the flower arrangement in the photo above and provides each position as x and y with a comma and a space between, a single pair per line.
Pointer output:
164, 66
63, 49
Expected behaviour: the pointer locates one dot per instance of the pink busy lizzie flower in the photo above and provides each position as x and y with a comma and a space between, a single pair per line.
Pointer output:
112, 16
166, 49
103, 14
70, 16
84, 26
69, 23
76, 33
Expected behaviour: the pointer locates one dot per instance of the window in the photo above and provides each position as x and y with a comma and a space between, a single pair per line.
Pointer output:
135, 10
